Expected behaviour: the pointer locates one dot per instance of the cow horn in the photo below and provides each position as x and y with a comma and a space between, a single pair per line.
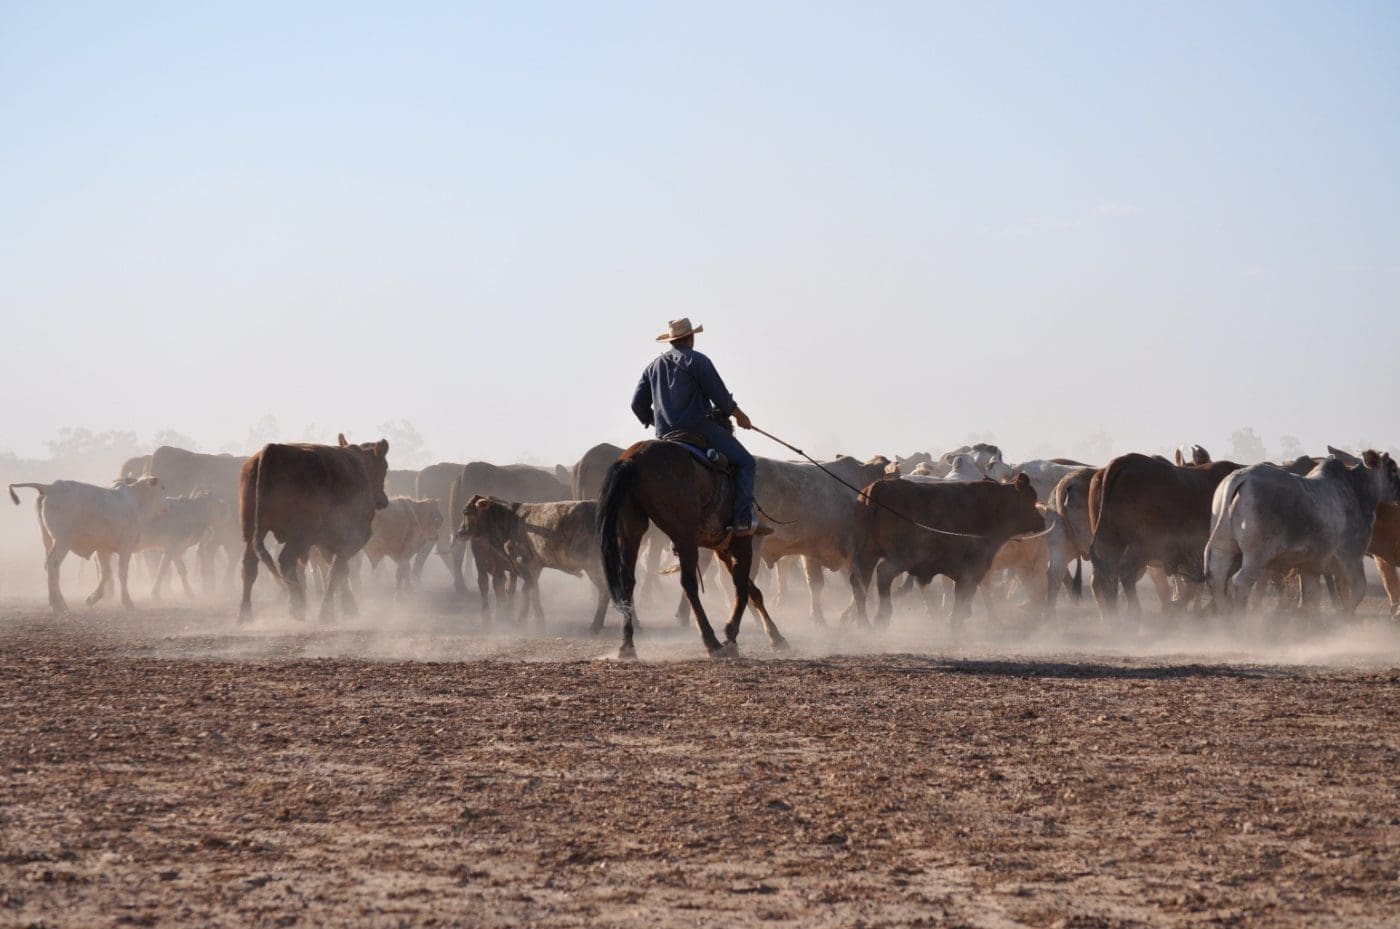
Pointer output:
1034, 535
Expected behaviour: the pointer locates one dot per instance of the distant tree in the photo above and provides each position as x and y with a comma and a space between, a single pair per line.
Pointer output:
174, 438
1246, 447
406, 446
82, 454
1289, 448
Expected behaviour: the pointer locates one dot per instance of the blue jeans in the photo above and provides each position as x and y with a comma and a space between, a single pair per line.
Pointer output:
723, 440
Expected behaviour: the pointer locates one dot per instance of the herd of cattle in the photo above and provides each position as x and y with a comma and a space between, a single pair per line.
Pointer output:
1205, 532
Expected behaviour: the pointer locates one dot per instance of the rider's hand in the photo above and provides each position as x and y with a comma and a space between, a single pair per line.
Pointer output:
742, 419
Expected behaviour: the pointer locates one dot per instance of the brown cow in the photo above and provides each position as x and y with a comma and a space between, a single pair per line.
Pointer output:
1143, 511
969, 522
535, 536
1384, 548
309, 495
399, 532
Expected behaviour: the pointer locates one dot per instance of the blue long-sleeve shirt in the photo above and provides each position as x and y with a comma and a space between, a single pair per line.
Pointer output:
677, 389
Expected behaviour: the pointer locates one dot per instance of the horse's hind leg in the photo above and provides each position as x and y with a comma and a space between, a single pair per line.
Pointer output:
774, 636
689, 557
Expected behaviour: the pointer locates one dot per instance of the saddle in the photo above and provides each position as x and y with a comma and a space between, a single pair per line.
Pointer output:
700, 450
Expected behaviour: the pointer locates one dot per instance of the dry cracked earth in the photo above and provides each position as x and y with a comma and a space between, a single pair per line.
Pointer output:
169, 768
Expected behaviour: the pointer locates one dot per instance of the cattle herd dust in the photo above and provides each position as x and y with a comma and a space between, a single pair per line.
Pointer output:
428, 762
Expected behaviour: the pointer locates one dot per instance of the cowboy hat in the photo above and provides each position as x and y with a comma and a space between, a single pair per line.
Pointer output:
678, 329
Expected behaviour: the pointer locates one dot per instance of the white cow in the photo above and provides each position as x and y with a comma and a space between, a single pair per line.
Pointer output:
87, 519
961, 467
1276, 522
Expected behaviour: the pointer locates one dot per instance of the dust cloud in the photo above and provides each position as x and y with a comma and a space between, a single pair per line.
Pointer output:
433, 623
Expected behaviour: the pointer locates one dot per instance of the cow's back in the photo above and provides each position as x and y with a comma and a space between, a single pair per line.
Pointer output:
591, 469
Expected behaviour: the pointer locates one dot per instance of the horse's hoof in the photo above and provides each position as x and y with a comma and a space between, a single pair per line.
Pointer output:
727, 650
627, 653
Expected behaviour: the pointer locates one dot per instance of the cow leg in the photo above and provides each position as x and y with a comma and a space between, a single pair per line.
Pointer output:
815, 582
689, 557
160, 572
1104, 583
179, 562
1390, 580
529, 579
337, 582
403, 575
1220, 561
964, 588
104, 577
456, 556
1243, 582
123, 566
885, 573
288, 565
1352, 572
53, 561
250, 574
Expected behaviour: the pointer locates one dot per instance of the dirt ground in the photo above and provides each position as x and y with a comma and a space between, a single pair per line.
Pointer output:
169, 768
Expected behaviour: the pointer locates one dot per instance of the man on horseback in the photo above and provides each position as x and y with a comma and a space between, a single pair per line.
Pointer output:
681, 391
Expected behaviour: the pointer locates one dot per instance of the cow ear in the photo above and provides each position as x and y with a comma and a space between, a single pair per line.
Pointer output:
1371, 459
381, 448
1021, 480
1179, 459
480, 502
341, 439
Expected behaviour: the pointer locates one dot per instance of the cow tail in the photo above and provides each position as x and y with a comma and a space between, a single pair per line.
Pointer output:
616, 493
14, 498
1076, 587
259, 535
1217, 520
1110, 478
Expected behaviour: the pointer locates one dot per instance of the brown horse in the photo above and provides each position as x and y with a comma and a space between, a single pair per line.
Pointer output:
663, 483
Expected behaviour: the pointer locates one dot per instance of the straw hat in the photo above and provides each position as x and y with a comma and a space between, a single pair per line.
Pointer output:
678, 329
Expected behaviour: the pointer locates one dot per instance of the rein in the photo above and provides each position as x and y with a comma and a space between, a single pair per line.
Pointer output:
862, 494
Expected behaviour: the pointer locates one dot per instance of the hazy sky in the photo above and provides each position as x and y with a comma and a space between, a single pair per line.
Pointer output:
899, 223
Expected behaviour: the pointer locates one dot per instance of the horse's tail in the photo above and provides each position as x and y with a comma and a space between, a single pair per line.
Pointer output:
617, 492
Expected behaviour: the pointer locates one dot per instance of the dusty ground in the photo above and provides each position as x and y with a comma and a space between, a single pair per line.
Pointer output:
168, 768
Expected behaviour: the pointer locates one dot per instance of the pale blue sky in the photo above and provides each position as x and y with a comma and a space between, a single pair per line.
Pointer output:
899, 223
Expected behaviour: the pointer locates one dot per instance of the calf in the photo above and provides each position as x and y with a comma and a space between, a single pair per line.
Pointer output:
535, 536
186, 522
87, 520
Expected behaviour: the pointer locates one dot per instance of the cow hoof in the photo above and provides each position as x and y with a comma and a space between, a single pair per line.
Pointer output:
780, 644
627, 653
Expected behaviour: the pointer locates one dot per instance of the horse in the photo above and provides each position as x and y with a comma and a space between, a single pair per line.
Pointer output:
664, 483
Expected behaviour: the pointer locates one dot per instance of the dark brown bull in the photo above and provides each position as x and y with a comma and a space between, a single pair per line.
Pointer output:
1144, 510
307, 495
972, 519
